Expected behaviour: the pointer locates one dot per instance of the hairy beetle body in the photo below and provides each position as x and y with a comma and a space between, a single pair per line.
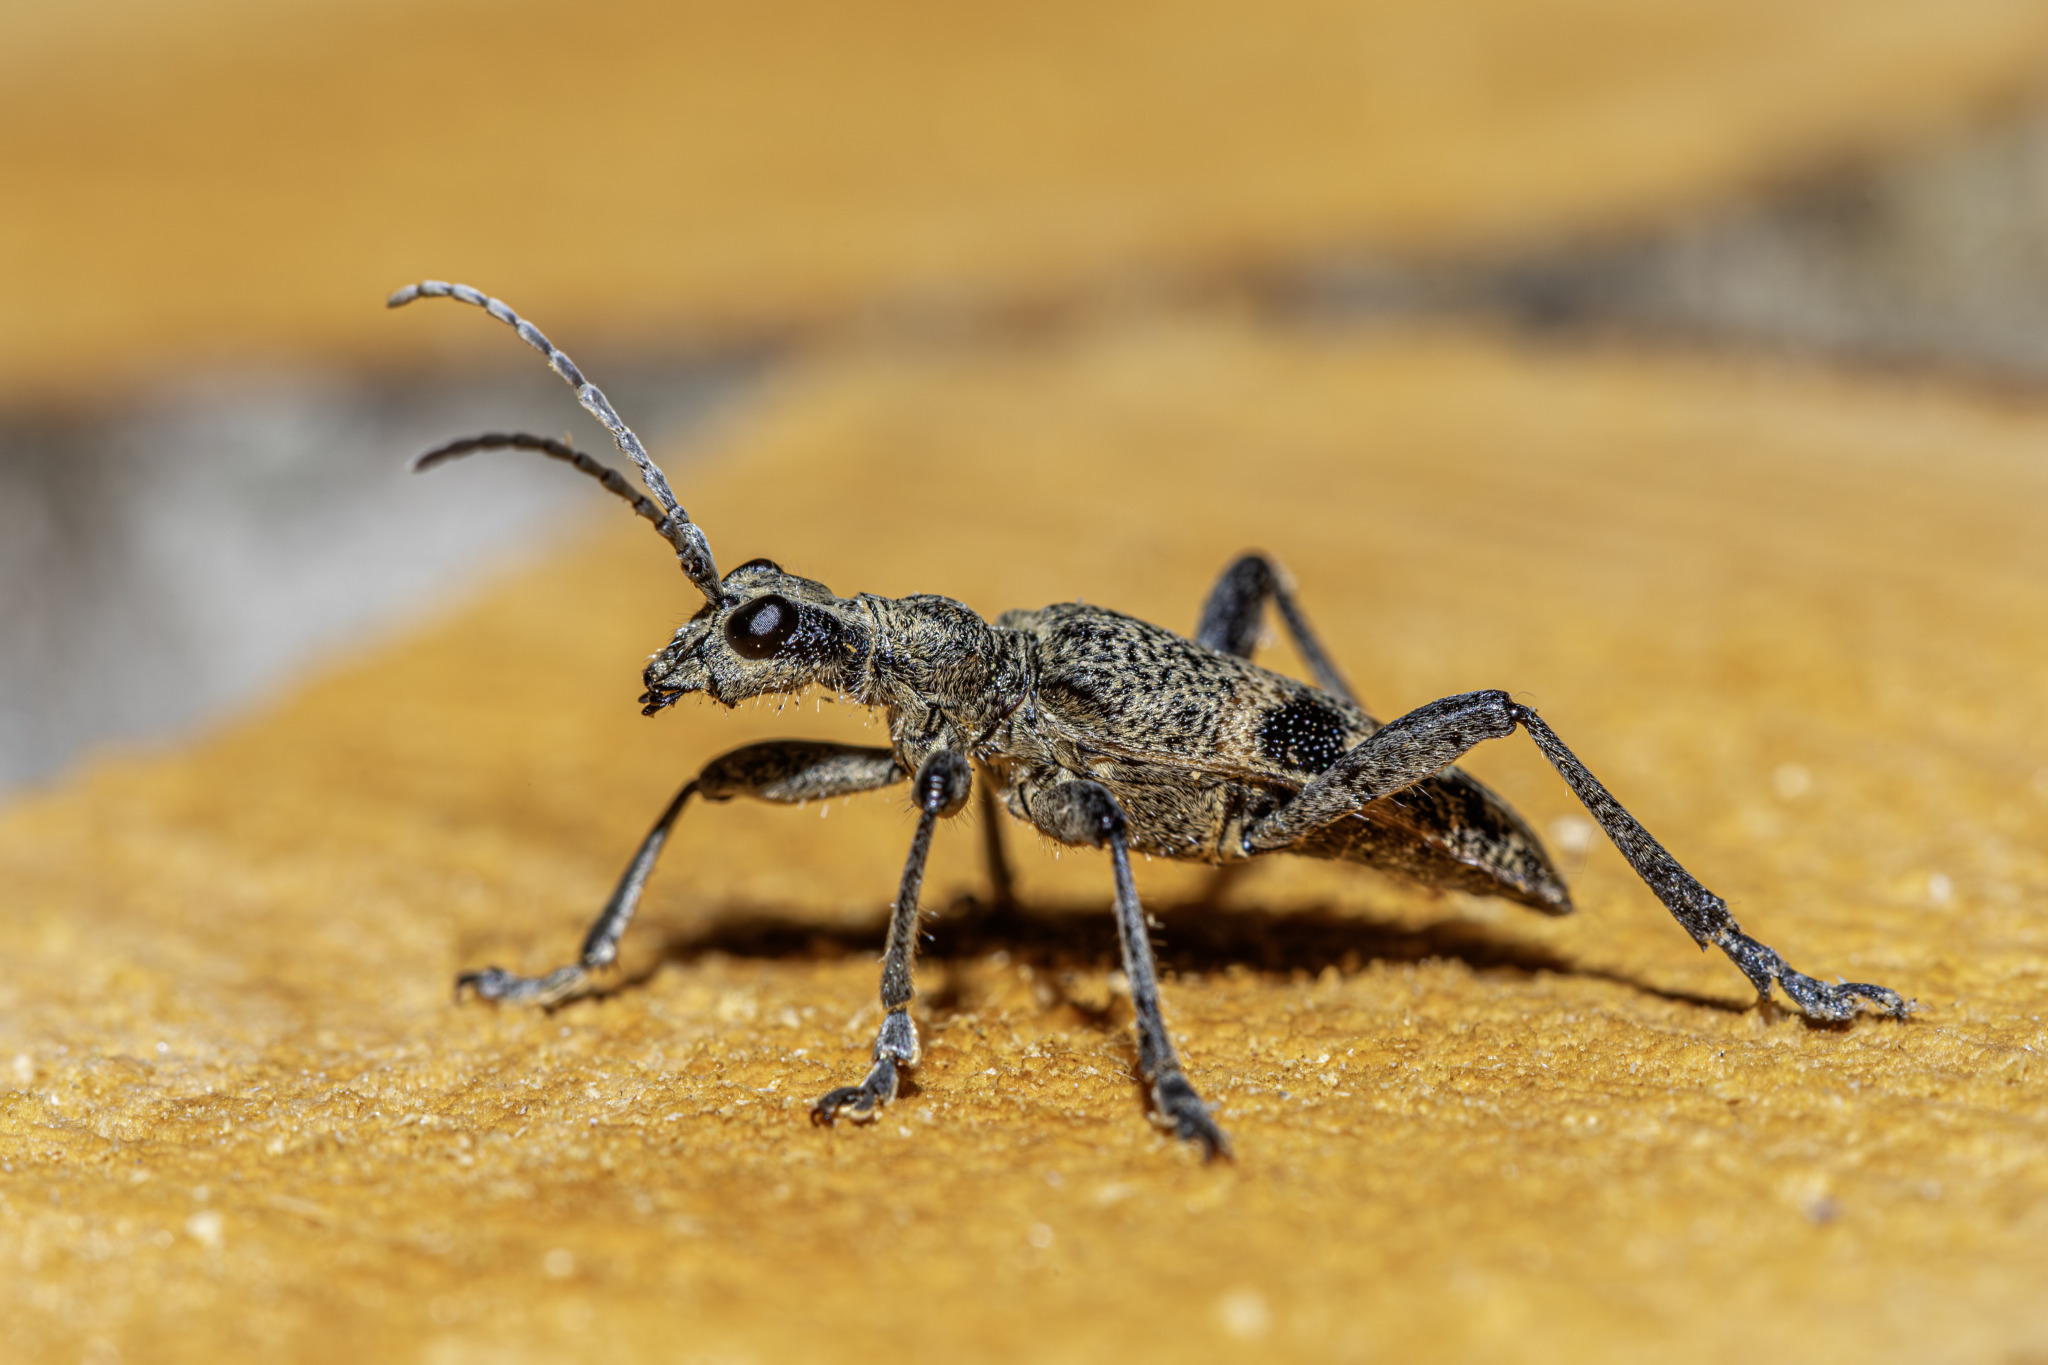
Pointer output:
1101, 730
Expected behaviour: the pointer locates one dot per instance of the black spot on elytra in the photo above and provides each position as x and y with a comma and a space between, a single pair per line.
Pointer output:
1304, 735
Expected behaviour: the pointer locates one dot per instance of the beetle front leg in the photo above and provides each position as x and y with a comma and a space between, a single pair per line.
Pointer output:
782, 771
1085, 812
1002, 882
941, 786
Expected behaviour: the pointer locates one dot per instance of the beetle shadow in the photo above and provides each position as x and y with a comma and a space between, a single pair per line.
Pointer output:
1194, 935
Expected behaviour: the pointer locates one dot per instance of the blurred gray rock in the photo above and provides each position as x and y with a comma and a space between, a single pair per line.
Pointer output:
165, 563
1937, 256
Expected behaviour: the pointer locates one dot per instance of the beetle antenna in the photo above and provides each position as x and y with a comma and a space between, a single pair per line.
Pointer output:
612, 479
693, 551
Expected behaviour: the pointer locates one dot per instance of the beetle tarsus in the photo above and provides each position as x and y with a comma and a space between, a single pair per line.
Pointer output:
861, 1103
1816, 999
1178, 1107
495, 983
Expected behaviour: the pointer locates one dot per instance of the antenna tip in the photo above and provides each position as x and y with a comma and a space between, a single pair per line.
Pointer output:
436, 289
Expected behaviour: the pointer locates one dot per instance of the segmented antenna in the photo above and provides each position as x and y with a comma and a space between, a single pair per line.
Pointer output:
612, 479
693, 551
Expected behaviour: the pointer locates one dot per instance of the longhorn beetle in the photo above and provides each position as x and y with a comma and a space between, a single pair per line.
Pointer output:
1099, 730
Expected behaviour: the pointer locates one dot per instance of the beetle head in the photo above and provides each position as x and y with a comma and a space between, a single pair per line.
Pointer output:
772, 632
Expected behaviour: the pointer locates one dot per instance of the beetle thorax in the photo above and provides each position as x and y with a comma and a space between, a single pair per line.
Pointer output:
944, 675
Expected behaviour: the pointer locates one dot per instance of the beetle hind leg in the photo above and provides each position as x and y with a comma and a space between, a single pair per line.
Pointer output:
1429, 738
1703, 914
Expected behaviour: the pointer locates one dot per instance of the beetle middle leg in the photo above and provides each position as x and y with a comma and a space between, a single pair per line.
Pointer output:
1430, 738
1086, 812
941, 787
784, 771
1231, 617
1002, 882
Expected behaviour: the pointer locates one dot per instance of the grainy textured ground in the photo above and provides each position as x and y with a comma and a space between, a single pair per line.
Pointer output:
227, 182
1797, 622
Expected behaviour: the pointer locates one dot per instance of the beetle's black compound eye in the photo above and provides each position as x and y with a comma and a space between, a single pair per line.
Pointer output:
761, 628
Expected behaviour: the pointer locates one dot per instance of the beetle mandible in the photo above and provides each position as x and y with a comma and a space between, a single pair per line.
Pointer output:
1102, 731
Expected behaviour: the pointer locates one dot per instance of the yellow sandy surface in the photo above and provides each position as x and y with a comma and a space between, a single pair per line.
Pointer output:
1795, 621
227, 181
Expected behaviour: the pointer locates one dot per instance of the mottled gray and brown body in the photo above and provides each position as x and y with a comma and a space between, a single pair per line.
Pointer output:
1199, 745
1101, 730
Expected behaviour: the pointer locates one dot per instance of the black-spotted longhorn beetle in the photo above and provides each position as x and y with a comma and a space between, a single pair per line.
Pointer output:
1102, 731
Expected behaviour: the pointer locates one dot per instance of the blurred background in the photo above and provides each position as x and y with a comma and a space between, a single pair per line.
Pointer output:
205, 410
